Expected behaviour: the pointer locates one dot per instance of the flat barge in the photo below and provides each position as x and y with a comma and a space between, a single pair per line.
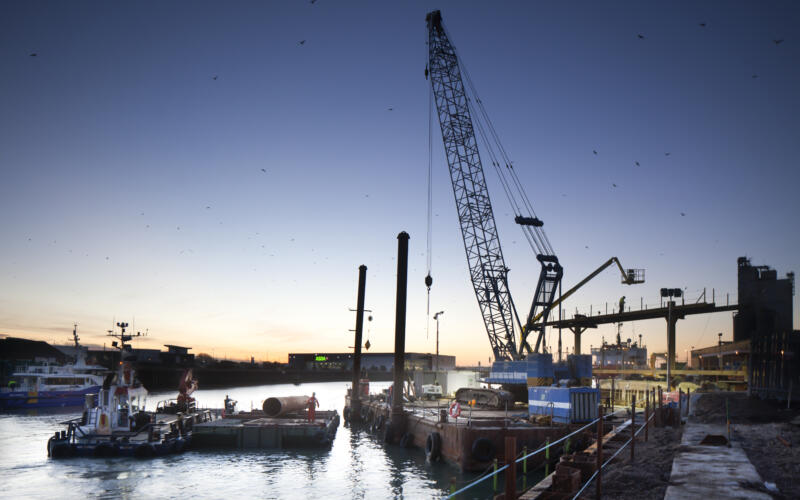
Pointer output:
283, 423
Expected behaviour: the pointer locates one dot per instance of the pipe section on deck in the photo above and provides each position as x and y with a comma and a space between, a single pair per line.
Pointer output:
275, 407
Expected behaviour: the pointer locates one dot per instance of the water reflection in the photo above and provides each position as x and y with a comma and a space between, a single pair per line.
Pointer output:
358, 465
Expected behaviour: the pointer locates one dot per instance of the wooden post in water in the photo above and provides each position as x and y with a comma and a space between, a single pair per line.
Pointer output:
599, 466
511, 472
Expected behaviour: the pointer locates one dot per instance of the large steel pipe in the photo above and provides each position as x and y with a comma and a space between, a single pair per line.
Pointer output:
275, 407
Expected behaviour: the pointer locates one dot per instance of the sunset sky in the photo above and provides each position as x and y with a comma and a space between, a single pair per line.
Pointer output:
194, 168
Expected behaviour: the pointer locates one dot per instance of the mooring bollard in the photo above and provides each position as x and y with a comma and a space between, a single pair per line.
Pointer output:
494, 478
547, 457
633, 425
599, 488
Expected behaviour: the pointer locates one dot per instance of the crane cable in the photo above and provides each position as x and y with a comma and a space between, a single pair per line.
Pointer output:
429, 242
536, 236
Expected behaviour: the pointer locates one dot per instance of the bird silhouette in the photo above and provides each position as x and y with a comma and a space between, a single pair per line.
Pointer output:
264, 170
776, 42
301, 42
214, 77
313, 1
637, 163
391, 109
702, 25
594, 151
667, 154
34, 54
208, 208
640, 36
614, 185
755, 76
683, 214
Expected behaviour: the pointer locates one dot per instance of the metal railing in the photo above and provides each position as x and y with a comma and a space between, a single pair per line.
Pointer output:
594, 475
525, 457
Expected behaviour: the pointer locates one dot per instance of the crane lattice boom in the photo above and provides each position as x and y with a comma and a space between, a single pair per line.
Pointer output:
487, 268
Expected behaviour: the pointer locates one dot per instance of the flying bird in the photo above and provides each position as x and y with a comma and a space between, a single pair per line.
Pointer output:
637, 163
214, 77
755, 76
594, 151
264, 170
614, 185
34, 54
391, 109
776, 42
640, 36
683, 214
702, 25
313, 1
301, 42
667, 154
208, 208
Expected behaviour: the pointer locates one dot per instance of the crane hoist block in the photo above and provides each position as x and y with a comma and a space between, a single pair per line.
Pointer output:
528, 221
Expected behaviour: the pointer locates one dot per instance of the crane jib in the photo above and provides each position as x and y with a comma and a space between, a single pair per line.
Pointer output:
488, 271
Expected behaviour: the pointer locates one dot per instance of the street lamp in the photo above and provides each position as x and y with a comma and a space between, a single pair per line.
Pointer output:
436, 318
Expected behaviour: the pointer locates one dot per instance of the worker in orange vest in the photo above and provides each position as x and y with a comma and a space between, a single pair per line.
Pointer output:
313, 404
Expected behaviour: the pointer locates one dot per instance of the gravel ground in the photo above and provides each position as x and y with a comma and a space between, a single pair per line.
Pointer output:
768, 432
774, 460
648, 477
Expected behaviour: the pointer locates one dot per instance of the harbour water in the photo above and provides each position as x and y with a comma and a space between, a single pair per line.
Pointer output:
358, 465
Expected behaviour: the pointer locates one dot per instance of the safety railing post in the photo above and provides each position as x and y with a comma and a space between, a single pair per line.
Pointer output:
494, 478
646, 415
680, 408
599, 488
612, 395
688, 401
633, 425
511, 468
524, 467
547, 457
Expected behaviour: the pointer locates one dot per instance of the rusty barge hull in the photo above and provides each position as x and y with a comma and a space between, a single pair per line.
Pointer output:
471, 442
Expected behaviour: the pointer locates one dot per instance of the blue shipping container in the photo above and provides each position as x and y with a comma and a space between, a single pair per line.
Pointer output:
518, 372
580, 365
567, 405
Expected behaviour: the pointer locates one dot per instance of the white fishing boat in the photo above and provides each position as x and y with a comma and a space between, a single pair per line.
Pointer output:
53, 386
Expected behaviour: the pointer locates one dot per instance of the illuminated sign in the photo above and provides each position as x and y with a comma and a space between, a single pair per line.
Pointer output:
320, 357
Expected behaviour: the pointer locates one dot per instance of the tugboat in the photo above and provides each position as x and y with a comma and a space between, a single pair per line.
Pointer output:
49, 386
115, 422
